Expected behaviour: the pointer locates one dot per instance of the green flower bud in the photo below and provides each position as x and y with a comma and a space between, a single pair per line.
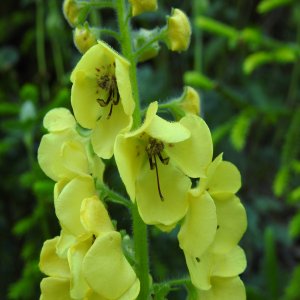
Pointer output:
141, 38
141, 6
84, 38
178, 31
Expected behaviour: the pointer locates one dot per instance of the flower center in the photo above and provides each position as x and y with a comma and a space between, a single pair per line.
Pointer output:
154, 148
108, 83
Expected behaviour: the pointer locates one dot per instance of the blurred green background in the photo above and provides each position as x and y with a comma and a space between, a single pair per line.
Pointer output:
244, 60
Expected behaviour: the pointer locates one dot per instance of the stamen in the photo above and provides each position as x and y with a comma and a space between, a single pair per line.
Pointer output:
153, 149
157, 180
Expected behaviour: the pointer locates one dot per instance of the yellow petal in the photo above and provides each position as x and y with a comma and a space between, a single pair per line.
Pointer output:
203, 269
68, 203
230, 264
59, 119
106, 269
232, 223
226, 179
94, 217
129, 155
84, 99
124, 85
76, 254
74, 158
211, 169
199, 227
55, 288
65, 241
174, 187
50, 263
106, 130
194, 154
224, 289
150, 114
49, 155
168, 132
97, 56
132, 292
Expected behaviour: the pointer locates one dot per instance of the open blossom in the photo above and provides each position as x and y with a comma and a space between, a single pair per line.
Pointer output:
63, 153
223, 180
91, 265
155, 160
101, 96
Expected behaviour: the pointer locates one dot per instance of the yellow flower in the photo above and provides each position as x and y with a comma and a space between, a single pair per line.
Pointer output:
89, 265
68, 197
63, 153
141, 6
223, 180
101, 96
155, 160
231, 288
57, 285
178, 34
210, 265
200, 224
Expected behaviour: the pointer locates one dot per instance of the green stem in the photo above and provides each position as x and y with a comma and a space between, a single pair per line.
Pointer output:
112, 196
127, 51
139, 227
141, 253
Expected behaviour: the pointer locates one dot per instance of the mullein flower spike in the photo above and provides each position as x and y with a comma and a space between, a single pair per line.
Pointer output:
101, 96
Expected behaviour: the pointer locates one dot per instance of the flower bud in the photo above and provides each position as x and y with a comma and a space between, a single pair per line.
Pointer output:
190, 101
141, 38
84, 38
141, 6
71, 12
178, 32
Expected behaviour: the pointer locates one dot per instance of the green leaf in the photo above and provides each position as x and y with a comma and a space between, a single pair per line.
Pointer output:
281, 181
292, 291
240, 130
294, 195
255, 60
268, 5
218, 28
199, 80
23, 226
294, 226
282, 55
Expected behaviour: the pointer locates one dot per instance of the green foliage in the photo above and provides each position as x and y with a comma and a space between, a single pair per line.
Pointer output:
268, 5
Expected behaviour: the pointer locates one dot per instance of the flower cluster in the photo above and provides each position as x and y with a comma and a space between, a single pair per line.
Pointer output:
157, 162
86, 261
